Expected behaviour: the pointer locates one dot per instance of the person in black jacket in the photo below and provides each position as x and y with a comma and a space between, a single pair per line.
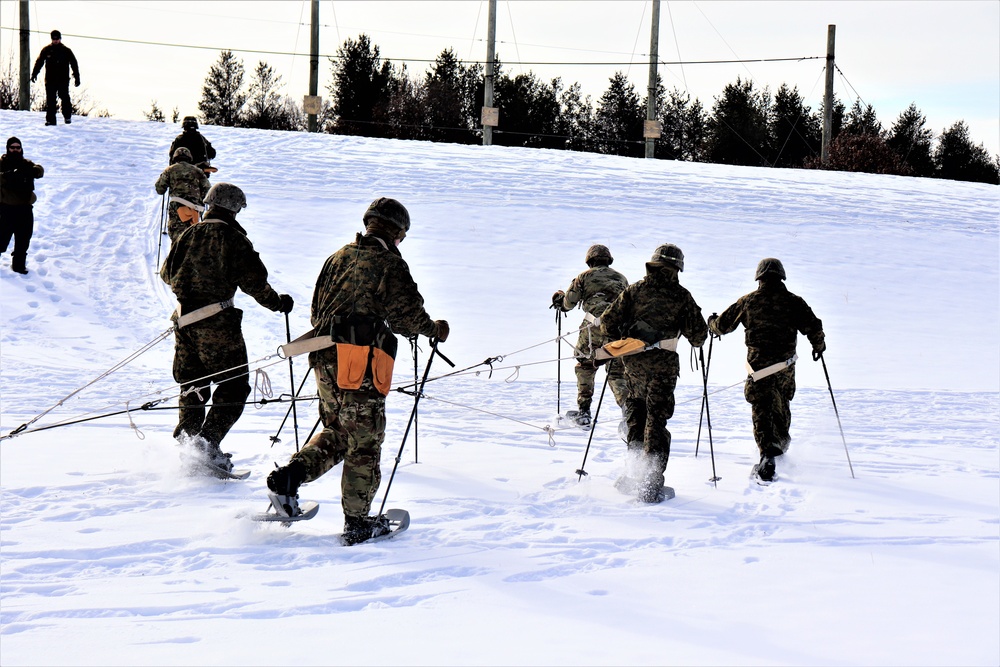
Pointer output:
191, 139
17, 194
57, 59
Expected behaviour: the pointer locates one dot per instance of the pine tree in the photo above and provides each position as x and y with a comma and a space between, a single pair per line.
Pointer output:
912, 141
266, 109
738, 132
155, 114
529, 111
618, 120
402, 113
222, 96
361, 82
861, 119
576, 119
684, 128
451, 104
957, 158
796, 131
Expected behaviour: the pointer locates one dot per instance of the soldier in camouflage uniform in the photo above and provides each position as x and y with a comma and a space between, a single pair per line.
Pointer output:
184, 181
364, 296
593, 290
205, 266
772, 317
652, 310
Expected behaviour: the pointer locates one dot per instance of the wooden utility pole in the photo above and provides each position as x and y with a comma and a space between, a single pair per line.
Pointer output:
831, 34
652, 128
24, 84
315, 104
490, 117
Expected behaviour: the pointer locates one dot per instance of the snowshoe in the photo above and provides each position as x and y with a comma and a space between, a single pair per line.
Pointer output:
580, 417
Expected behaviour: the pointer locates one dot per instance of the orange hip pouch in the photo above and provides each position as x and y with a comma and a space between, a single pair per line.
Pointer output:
353, 363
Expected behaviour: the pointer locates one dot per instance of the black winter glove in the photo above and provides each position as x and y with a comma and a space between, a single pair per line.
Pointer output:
818, 351
286, 303
557, 299
441, 330
76, 82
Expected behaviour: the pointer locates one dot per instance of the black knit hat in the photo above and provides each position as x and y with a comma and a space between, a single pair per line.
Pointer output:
56, 34
13, 140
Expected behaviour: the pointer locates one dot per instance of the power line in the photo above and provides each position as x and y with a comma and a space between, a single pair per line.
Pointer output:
425, 60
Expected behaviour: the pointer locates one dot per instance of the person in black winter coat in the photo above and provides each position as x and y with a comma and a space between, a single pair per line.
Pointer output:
57, 59
191, 139
17, 194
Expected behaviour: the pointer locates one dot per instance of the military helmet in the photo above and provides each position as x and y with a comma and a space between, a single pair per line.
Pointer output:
182, 154
598, 251
227, 196
189, 123
667, 255
770, 266
388, 210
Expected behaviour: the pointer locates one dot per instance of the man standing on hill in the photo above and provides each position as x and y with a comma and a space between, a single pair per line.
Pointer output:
772, 317
364, 296
593, 290
205, 266
656, 312
191, 139
188, 186
58, 59
17, 195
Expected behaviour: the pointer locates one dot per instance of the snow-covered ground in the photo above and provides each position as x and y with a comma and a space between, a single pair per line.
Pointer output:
109, 555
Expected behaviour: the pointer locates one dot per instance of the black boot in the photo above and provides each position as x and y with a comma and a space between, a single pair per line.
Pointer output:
284, 484
765, 469
18, 265
363, 528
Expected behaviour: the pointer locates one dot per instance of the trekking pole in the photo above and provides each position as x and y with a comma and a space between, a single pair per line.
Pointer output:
416, 417
581, 472
708, 416
704, 396
274, 438
159, 236
830, 386
291, 385
559, 314
416, 398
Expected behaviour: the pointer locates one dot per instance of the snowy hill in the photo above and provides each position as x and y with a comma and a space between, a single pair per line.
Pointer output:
109, 555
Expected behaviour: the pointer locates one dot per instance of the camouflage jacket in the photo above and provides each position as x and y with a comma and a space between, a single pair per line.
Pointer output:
184, 180
17, 180
594, 290
193, 140
771, 316
655, 308
210, 260
369, 278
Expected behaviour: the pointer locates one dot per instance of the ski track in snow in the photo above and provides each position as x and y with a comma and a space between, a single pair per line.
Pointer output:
99, 522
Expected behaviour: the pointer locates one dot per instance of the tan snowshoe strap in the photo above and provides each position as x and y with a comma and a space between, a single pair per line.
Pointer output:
770, 370
185, 202
629, 346
200, 314
307, 342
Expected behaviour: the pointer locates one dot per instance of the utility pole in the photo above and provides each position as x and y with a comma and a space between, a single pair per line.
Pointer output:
314, 103
490, 116
831, 34
652, 129
24, 84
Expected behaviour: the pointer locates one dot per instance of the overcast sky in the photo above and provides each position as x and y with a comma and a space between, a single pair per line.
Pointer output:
944, 56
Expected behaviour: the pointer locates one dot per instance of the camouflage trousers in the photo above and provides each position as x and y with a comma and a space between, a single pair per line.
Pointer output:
175, 226
651, 378
586, 374
770, 406
211, 352
353, 432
